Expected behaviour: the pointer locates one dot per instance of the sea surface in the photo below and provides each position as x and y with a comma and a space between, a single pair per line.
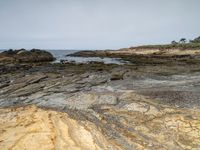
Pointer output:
61, 55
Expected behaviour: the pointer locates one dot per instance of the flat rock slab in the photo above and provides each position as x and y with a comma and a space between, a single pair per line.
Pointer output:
137, 125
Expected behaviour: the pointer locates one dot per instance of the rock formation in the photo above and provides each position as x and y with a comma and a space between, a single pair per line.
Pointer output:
32, 128
69, 106
22, 55
95, 106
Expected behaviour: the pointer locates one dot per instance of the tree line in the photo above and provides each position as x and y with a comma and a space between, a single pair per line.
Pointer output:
184, 40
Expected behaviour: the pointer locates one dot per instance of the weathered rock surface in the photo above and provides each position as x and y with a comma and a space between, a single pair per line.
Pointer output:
34, 55
81, 107
33, 128
133, 51
134, 125
139, 55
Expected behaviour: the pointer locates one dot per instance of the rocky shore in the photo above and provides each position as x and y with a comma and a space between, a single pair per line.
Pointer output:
141, 55
99, 106
22, 55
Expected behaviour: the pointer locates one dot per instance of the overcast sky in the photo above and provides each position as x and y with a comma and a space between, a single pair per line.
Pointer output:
96, 24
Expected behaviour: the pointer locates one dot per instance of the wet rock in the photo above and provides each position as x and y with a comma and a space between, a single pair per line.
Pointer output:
30, 79
117, 74
24, 86
88, 54
27, 90
11, 88
96, 79
34, 55
67, 62
7, 68
2, 85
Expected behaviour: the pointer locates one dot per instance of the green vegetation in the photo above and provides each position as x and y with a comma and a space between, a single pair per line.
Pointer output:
196, 40
182, 44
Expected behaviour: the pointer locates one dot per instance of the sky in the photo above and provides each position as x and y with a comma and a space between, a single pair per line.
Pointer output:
96, 24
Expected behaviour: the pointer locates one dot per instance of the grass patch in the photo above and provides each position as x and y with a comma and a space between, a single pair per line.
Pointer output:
182, 46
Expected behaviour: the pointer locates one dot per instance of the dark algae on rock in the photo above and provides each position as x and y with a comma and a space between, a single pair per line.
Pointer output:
22, 55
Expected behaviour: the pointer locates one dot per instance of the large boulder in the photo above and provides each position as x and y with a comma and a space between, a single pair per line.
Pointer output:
22, 55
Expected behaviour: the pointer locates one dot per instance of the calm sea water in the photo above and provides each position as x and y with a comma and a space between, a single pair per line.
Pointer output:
61, 55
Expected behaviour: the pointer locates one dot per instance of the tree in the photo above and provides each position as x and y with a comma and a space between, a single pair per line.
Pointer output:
182, 40
174, 42
196, 40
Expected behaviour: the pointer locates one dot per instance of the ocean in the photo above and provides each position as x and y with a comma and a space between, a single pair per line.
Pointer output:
61, 55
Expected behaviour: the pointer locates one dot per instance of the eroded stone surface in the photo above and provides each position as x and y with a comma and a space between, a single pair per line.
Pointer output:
32, 128
22, 55
135, 125
130, 112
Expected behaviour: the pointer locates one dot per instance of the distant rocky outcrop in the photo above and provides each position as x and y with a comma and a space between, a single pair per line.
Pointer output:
147, 55
22, 55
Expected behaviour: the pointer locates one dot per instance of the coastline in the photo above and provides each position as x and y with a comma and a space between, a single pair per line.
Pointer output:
123, 106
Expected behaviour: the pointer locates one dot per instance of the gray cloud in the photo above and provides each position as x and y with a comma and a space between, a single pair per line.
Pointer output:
96, 24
